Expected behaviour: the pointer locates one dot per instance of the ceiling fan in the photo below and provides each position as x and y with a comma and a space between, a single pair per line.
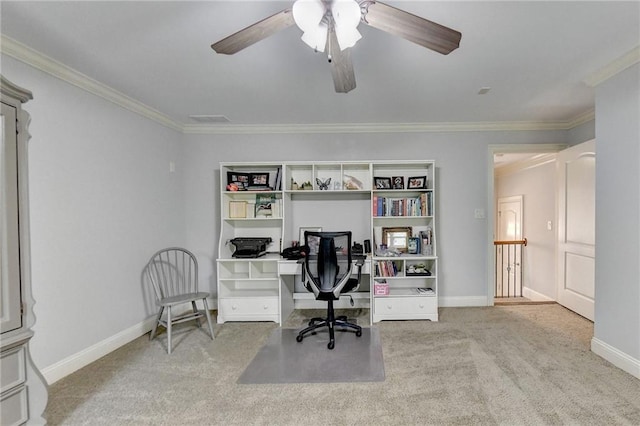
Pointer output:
331, 25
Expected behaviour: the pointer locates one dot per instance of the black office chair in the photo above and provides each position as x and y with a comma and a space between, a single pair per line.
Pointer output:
327, 269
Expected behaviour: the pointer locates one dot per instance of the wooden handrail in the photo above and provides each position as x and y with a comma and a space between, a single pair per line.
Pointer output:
504, 243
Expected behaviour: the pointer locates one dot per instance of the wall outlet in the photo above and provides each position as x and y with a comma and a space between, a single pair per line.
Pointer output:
479, 214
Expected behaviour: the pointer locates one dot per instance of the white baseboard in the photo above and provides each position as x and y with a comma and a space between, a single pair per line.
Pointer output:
459, 302
534, 295
63, 368
616, 357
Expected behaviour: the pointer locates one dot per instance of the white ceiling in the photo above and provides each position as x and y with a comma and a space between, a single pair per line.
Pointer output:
533, 55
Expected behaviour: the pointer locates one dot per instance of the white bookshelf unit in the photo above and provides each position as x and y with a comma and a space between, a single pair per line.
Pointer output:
331, 196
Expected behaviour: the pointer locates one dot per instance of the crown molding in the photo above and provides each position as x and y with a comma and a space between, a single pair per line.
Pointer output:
57, 69
230, 129
50, 66
622, 63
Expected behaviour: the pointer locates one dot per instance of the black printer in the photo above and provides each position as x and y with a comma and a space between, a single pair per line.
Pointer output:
250, 247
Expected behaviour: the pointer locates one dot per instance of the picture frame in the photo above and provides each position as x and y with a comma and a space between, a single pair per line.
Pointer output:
240, 180
417, 182
397, 238
313, 246
382, 182
398, 182
259, 179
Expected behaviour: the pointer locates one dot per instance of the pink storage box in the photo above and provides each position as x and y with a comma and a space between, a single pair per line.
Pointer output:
381, 289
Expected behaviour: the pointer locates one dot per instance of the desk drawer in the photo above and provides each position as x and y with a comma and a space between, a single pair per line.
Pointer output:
405, 307
295, 268
12, 368
249, 309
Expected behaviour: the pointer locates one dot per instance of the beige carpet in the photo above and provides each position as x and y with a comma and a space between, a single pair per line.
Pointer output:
511, 365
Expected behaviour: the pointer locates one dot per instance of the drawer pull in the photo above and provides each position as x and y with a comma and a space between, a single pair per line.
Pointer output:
421, 306
265, 307
234, 307
388, 306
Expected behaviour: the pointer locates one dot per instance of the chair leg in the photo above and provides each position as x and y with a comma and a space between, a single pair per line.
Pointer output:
155, 324
206, 312
169, 320
195, 311
331, 320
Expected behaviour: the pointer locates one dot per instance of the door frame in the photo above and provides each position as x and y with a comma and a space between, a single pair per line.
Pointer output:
491, 205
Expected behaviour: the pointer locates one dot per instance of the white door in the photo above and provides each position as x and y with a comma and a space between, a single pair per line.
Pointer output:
576, 228
509, 256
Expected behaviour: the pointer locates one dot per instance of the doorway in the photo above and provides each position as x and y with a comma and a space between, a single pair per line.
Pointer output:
526, 172
509, 247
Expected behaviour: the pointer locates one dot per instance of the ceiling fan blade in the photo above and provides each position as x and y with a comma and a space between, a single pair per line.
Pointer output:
413, 28
254, 33
344, 78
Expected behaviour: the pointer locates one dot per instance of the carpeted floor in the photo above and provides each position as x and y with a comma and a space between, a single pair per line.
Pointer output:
510, 365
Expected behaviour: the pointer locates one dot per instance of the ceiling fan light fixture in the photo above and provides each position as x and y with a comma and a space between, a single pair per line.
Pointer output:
308, 13
347, 37
316, 38
346, 15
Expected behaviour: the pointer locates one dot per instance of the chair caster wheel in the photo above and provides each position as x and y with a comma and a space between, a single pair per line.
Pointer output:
331, 345
298, 338
358, 333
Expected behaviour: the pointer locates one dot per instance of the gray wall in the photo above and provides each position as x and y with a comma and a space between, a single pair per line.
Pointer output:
617, 307
462, 175
102, 201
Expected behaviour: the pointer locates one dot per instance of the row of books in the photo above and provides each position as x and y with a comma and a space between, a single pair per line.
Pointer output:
392, 206
386, 268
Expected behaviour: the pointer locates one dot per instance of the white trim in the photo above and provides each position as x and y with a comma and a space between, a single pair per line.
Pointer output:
616, 357
622, 63
535, 296
231, 129
462, 301
73, 363
57, 69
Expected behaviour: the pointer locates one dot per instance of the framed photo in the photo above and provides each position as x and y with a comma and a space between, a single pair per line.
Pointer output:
313, 242
382, 182
417, 182
240, 180
397, 238
259, 179
398, 182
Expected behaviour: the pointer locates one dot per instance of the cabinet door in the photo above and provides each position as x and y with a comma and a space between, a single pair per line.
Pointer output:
10, 316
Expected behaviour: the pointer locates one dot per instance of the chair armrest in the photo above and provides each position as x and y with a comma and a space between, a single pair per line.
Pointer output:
359, 264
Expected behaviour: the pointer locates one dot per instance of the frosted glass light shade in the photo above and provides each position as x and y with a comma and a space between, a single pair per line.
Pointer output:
346, 14
316, 38
308, 13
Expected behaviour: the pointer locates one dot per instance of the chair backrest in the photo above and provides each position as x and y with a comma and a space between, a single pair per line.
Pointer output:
328, 262
173, 271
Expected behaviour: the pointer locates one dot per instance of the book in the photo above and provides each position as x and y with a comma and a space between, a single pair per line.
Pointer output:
237, 209
264, 205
